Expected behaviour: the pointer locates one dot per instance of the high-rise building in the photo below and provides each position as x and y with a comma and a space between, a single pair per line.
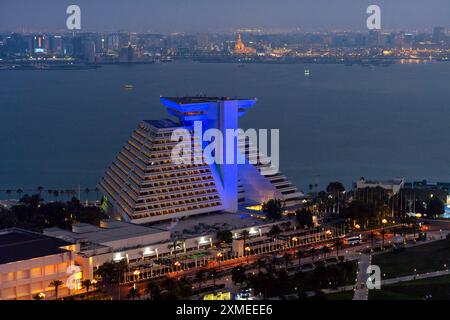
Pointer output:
439, 34
144, 184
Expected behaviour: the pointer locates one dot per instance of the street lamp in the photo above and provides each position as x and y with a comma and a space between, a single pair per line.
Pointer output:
294, 239
177, 264
247, 249
219, 257
384, 221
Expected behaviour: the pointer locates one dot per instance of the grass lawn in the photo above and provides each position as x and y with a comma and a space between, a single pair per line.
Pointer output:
424, 258
438, 288
344, 295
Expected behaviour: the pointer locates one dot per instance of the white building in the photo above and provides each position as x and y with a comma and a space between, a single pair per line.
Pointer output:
393, 185
29, 262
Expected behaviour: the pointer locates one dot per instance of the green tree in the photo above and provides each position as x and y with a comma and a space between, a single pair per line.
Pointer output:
238, 275
325, 250
274, 231
335, 187
133, 293
435, 207
304, 218
225, 236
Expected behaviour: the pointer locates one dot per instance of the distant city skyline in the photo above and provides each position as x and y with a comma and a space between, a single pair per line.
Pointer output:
222, 16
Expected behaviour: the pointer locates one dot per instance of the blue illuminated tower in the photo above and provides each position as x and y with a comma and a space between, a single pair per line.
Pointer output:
220, 113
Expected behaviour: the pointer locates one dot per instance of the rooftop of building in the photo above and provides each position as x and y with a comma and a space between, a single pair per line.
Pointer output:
110, 230
396, 181
199, 99
18, 245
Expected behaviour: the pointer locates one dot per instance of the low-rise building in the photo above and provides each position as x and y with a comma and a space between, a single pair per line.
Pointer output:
30, 262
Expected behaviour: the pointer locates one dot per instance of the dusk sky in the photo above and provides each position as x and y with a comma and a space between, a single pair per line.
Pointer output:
221, 15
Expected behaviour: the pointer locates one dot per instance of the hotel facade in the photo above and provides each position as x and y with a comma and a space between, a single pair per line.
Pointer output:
144, 185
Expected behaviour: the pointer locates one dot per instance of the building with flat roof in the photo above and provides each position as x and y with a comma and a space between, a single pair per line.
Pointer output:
144, 184
29, 262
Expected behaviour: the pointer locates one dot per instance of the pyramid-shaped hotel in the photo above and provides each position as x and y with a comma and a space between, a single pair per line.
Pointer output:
145, 185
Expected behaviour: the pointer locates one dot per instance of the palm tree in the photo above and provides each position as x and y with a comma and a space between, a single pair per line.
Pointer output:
325, 251
56, 284
86, 284
87, 191
56, 194
287, 260
133, 293
40, 189
200, 276
383, 233
261, 264
97, 190
50, 193
152, 289
244, 235
273, 209
8, 194
19, 192
313, 252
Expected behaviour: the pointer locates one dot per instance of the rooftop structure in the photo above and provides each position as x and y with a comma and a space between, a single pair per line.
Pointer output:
19, 245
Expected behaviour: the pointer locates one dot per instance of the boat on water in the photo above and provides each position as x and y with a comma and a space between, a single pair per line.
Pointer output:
306, 72
128, 87
166, 59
